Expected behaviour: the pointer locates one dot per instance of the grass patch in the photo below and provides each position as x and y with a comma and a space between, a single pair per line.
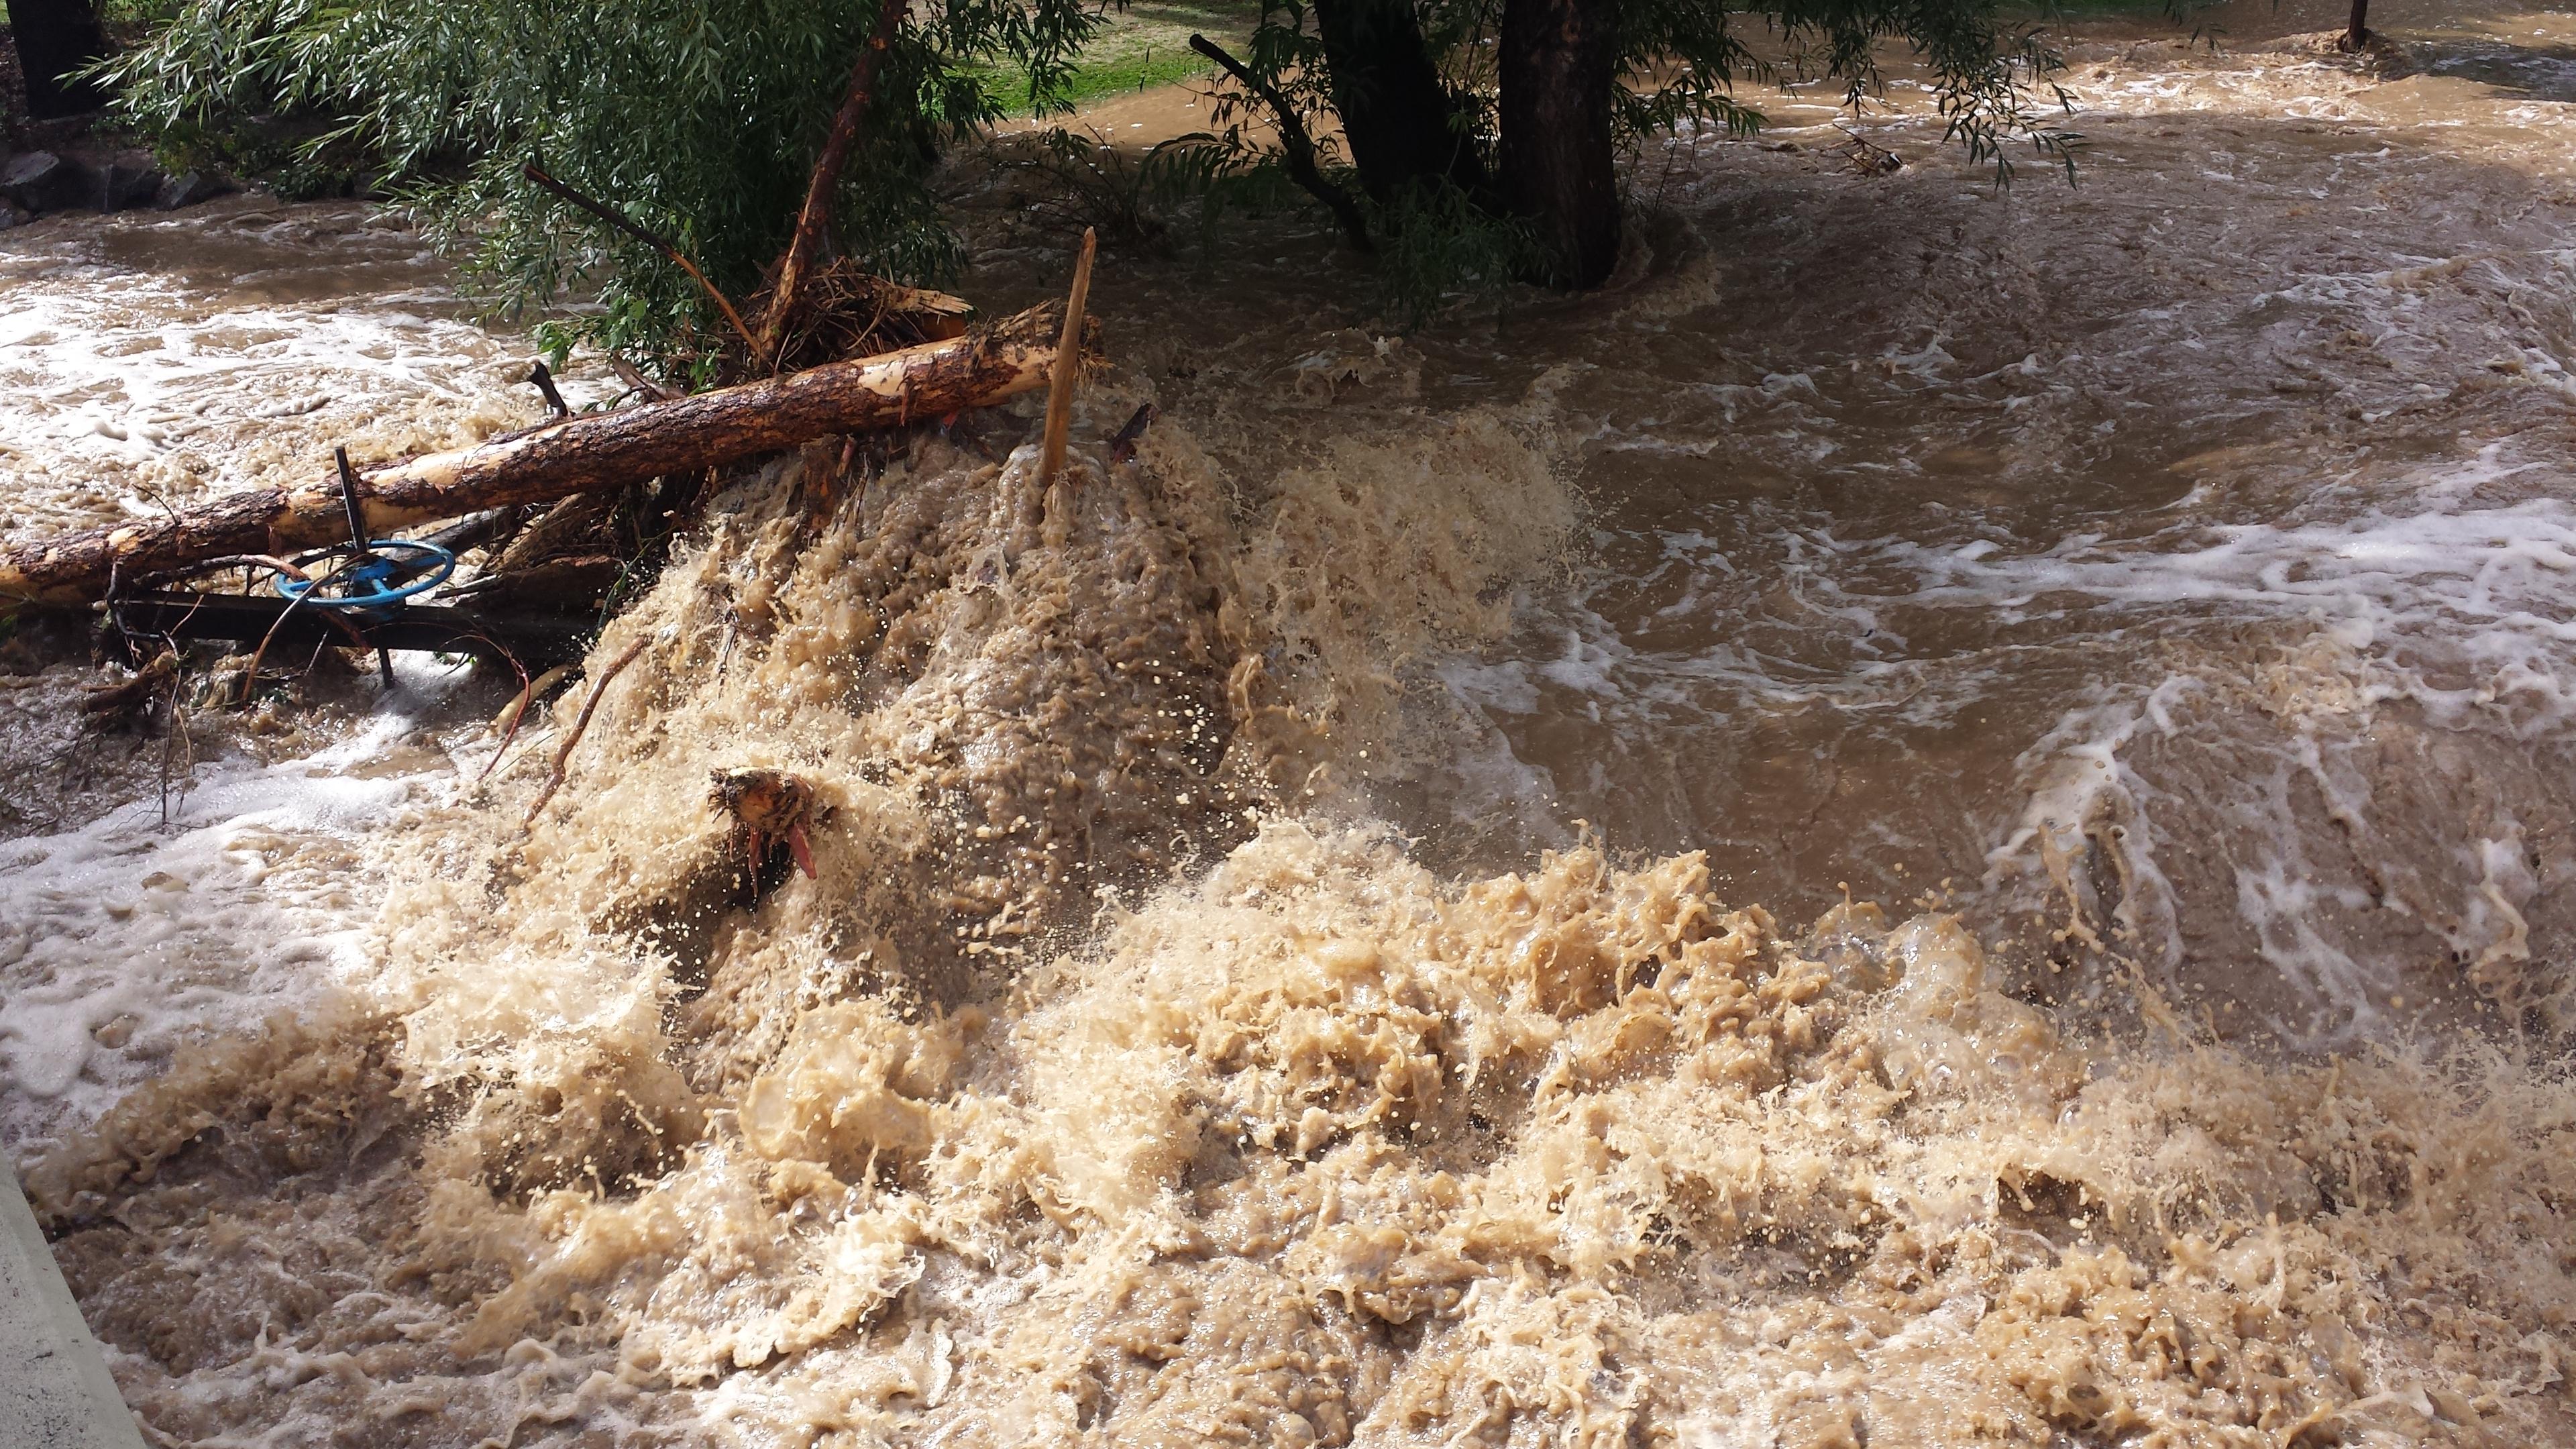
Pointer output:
2064, 10
1147, 44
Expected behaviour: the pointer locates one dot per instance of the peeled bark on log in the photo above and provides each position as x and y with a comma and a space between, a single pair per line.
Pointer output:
577, 455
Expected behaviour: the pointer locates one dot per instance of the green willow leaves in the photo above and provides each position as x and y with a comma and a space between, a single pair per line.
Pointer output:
700, 119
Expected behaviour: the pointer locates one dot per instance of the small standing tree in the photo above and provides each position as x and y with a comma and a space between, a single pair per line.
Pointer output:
1516, 110
693, 125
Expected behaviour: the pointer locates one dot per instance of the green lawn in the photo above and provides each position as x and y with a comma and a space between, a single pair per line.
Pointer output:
2045, 11
1147, 44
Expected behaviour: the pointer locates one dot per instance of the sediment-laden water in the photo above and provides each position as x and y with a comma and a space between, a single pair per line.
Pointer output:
1941, 820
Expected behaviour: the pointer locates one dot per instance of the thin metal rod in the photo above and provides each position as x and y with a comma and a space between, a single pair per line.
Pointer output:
358, 547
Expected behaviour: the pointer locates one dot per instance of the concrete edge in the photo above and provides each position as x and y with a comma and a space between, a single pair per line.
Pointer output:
55, 1389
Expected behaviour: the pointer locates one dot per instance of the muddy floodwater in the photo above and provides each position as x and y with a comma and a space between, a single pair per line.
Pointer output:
1943, 818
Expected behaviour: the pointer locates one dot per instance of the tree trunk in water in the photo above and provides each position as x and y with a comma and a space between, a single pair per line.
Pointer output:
1559, 65
2357, 34
1395, 114
54, 38
584, 452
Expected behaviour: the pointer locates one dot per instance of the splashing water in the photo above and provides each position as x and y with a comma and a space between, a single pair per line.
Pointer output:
1296, 951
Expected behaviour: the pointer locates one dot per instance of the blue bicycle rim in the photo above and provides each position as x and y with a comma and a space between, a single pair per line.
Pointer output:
443, 564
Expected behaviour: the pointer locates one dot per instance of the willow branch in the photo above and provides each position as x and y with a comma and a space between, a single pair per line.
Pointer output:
1299, 146
615, 218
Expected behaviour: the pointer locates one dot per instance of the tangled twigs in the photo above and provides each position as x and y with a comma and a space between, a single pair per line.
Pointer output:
768, 807
1867, 159
563, 752
242, 561
250, 676
812, 244
145, 686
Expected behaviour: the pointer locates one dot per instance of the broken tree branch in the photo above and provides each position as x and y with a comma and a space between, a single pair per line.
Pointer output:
1068, 363
583, 453
1297, 146
657, 242
544, 378
563, 752
645, 387
1122, 444
811, 246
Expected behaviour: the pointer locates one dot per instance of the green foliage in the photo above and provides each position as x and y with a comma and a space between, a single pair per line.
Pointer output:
1986, 73
1143, 44
700, 119
1285, 50
125, 17
1083, 179
1438, 248
293, 160
1680, 64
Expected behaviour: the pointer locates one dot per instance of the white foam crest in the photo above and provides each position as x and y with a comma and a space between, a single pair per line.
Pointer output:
135, 387
2456, 608
128, 380
127, 937
2429, 594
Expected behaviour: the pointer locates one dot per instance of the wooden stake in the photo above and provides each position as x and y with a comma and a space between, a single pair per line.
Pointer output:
1068, 365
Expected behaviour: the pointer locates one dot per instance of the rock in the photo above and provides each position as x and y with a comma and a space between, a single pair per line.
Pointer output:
188, 190
41, 181
123, 188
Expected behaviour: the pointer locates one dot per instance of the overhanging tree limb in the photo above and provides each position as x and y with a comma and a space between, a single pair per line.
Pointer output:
622, 222
1298, 146
580, 454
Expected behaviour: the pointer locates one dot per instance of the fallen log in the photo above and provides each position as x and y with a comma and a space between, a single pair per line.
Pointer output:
579, 454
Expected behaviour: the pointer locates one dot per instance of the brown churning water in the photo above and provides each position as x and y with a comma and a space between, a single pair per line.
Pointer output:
1943, 820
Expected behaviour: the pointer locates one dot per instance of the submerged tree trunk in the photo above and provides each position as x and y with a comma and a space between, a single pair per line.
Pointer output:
1396, 116
2357, 34
584, 452
1559, 67
55, 38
